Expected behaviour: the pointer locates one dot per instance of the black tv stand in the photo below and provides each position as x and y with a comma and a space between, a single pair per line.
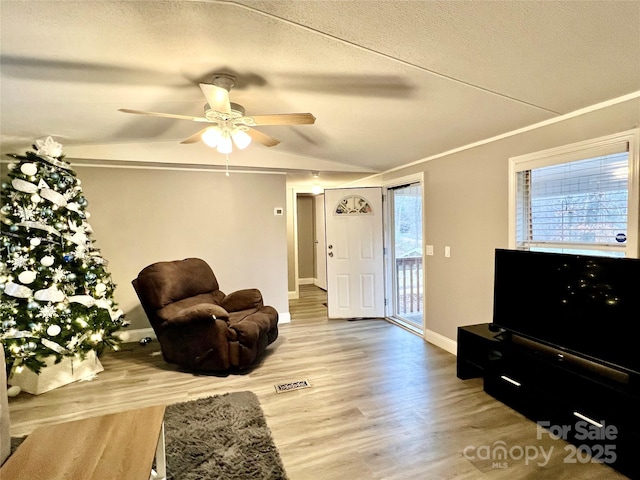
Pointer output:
597, 405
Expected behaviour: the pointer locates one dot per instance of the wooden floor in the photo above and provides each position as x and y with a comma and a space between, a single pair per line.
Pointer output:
384, 404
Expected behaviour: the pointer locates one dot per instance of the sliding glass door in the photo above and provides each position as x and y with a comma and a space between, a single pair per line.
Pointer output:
405, 222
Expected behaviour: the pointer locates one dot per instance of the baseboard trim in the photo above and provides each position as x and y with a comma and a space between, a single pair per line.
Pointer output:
306, 281
316, 283
441, 341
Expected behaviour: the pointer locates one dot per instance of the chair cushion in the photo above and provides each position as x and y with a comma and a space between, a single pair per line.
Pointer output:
187, 311
165, 282
242, 300
249, 324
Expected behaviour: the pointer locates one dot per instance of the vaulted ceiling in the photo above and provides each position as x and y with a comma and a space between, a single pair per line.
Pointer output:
389, 82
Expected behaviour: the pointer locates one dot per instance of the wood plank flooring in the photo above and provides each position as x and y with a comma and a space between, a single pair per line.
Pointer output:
384, 404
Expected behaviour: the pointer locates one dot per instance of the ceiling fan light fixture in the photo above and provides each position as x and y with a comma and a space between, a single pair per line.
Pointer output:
228, 123
224, 144
211, 136
240, 138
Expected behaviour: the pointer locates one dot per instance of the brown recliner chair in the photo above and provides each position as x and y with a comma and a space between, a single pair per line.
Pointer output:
197, 325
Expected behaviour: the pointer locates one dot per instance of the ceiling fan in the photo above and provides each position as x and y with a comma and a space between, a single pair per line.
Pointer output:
227, 120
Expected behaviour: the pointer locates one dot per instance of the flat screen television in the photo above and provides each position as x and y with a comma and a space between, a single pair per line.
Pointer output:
585, 305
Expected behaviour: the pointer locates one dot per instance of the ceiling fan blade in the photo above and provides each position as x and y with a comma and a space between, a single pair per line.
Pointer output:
164, 115
262, 138
217, 97
196, 137
284, 119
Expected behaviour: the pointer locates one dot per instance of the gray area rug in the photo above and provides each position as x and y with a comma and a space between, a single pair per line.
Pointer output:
220, 437
223, 437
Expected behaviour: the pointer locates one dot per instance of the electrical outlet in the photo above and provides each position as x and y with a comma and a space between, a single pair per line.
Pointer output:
447, 251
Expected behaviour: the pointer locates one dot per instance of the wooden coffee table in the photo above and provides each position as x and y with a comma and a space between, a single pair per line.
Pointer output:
116, 446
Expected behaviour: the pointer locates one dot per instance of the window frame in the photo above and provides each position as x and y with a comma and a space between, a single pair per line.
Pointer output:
580, 151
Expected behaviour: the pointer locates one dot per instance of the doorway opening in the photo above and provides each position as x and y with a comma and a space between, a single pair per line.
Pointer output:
406, 305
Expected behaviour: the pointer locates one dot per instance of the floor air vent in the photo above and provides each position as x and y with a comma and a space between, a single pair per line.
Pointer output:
289, 386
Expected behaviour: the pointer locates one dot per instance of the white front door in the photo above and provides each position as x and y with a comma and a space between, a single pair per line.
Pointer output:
320, 252
354, 246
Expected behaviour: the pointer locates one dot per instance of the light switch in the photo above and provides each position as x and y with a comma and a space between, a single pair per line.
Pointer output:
429, 249
447, 251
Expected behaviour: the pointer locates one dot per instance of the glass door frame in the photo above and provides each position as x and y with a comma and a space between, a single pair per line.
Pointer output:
390, 268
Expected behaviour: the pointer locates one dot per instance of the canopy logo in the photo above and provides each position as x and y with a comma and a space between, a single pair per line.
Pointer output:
599, 446
500, 455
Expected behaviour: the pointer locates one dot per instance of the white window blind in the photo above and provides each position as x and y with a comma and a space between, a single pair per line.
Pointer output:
574, 205
581, 198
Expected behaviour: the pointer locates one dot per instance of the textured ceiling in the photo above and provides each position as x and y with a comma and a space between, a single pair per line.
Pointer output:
390, 82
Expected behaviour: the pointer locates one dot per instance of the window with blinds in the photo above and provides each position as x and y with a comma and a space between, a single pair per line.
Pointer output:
576, 201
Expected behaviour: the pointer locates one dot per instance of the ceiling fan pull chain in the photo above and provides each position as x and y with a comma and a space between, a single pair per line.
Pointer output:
227, 172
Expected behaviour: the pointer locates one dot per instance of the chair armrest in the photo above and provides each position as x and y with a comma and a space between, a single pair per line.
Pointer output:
242, 300
193, 313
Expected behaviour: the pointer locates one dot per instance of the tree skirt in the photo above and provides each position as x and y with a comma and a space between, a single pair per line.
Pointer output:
55, 375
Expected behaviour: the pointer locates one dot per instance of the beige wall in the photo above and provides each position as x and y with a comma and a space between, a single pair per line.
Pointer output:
141, 216
466, 209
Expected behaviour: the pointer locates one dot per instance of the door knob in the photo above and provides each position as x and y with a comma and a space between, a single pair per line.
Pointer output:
330, 247
331, 254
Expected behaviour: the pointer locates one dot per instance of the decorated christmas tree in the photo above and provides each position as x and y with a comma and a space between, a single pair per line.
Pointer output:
56, 295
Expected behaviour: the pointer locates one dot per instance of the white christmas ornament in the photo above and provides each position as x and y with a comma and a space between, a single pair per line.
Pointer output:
74, 207
29, 168
123, 336
86, 300
53, 330
34, 242
27, 277
102, 303
35, 198
24, 186
53, 345
13, 391
51, 294
79, 236
47, 261
49, 147
18, 291
54, 197
100, 288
